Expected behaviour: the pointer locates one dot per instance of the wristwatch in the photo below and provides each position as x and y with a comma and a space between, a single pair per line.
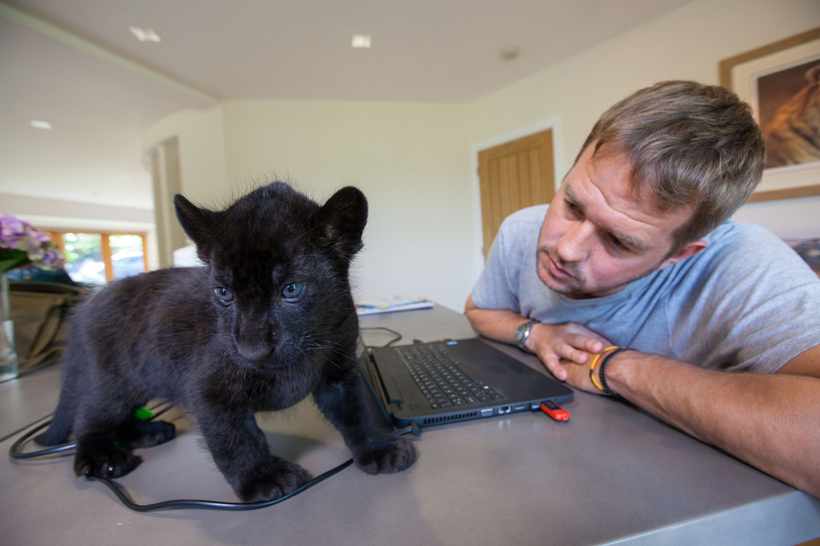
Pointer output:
523, 332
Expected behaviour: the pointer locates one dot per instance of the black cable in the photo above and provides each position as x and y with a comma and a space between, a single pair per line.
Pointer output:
24, 427
195, 504
177, 504
16, 452
382, 328
157, 413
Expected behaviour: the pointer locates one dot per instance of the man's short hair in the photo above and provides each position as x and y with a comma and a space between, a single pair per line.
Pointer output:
691, 145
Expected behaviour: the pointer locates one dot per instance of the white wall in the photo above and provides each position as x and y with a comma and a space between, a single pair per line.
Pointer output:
201, 151
408, 158
789, 218
687, 43
201, 147
414, 160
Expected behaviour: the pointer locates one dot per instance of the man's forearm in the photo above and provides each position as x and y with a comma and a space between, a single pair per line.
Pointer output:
770, 421
497, 324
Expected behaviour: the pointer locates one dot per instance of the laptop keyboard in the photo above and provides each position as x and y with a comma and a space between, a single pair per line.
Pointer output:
441, 380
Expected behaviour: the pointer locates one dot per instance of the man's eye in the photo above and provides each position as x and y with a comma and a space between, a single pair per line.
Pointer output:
224, 295
617, 243
293, 291
573, 209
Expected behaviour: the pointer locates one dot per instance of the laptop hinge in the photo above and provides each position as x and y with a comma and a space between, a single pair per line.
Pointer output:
390, 399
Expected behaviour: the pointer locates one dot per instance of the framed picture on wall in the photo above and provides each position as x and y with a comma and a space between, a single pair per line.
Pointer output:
809, 250
781, 82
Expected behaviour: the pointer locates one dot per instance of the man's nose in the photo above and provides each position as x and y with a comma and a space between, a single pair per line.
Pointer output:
573, 246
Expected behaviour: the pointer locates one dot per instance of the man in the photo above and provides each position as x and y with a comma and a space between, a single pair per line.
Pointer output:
717, 324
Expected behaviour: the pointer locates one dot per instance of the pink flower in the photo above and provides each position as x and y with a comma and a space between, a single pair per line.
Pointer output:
17, 235
11, 229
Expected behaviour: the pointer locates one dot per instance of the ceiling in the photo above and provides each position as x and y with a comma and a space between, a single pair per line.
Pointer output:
98, 110
430, 50
76, 64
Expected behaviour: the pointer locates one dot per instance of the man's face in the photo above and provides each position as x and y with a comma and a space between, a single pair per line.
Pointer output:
597, 236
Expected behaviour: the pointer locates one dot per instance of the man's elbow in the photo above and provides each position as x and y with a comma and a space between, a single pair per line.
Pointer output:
470, 310
469, 313
469, 305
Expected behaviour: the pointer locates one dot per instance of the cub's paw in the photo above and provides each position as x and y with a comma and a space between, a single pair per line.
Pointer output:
272, 479
104, 460
149, 434
394, 457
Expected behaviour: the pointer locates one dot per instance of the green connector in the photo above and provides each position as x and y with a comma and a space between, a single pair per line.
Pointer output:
143, 414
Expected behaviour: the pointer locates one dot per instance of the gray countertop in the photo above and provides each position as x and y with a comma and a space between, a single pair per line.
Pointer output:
611, 475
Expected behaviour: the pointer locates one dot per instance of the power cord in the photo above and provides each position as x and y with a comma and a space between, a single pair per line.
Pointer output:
195, 504
396, 339
16, 452
14, 433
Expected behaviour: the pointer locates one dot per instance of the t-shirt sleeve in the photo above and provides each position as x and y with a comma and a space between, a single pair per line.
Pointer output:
497, 286
755, 307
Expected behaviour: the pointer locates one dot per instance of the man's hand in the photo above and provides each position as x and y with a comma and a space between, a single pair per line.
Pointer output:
565, 349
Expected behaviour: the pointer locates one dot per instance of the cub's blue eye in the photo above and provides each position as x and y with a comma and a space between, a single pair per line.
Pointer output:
224, 295
293, 291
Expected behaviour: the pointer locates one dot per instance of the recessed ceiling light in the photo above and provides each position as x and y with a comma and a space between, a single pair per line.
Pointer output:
40, 124
361, 41
145, 34
509, 53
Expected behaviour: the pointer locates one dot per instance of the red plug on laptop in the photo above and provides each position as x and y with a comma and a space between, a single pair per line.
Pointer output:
555, 412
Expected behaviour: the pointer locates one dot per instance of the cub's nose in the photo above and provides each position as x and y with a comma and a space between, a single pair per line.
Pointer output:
254, 352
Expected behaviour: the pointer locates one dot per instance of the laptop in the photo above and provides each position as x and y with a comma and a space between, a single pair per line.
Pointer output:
436, 383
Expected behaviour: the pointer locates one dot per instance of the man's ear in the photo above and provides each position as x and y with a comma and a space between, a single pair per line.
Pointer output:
688, 250
197, 223
340, 222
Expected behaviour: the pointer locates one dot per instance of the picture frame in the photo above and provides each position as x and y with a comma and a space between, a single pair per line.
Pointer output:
809, 250
770, 78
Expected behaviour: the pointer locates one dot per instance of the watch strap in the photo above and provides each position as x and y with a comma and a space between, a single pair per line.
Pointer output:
523, 332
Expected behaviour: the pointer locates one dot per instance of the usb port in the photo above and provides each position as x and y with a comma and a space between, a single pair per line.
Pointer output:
520, 407
486, 412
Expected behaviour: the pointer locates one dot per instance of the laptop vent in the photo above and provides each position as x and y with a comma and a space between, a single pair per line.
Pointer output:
448, 418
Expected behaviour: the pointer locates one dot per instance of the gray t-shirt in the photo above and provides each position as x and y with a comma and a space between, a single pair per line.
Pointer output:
747, 302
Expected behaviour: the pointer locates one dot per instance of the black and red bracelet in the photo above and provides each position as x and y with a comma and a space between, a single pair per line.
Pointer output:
602, 371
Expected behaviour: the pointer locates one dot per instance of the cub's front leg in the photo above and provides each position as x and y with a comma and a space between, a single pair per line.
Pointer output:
241, 452
344, 398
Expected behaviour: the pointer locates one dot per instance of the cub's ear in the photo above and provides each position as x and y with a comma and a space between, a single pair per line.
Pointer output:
197, 223
341, 221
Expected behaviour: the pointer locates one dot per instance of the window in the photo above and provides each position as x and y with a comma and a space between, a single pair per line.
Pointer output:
83, 257
100, 257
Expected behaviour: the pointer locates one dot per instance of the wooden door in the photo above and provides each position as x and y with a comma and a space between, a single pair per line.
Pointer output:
514, 175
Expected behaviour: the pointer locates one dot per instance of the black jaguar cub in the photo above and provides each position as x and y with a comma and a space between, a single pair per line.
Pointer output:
268, 321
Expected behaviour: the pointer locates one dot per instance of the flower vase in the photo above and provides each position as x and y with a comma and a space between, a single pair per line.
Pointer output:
8, 355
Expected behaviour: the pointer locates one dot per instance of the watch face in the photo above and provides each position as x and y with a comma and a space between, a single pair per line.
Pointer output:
522, 333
